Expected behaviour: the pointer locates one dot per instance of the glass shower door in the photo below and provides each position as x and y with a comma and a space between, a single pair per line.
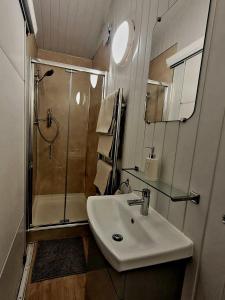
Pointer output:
78, 119
64, 169
85, 101
49, 159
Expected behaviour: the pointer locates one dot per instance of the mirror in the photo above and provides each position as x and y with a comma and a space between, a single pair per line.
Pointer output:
175, 64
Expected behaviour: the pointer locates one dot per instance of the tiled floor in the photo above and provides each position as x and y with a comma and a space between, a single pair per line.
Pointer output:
49, 209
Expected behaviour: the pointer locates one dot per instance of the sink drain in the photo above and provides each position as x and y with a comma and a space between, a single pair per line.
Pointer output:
117, 237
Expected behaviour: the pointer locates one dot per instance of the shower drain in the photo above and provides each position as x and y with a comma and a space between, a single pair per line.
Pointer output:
117, 237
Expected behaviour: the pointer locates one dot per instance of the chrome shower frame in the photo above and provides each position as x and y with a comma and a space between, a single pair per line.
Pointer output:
31, 99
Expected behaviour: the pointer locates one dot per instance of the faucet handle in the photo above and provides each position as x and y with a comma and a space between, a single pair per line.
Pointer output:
146, 201
146, 193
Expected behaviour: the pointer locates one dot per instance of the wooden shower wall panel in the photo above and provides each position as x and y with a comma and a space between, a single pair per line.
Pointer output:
158, 69
73, 129
92, 142
51, 174
54, 94
78, 132
64, 58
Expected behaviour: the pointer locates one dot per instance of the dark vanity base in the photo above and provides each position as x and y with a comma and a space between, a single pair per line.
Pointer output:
160, 282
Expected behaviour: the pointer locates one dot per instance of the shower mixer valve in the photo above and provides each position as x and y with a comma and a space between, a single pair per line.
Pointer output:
49, 118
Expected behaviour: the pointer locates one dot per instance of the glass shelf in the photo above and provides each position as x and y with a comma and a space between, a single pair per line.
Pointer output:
174, 194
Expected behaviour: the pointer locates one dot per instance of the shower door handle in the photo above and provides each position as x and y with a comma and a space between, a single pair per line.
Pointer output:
30, 165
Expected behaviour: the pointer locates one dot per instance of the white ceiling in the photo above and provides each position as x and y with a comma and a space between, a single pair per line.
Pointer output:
70, 26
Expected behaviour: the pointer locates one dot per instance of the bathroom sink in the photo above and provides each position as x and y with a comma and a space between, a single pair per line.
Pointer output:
129, 240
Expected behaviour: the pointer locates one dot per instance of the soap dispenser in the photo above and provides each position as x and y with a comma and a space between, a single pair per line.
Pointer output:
152, 166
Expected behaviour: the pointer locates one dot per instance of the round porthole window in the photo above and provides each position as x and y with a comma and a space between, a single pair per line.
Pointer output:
122, 44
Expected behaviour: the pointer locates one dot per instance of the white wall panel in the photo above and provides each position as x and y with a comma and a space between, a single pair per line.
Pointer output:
176, 94
13, 269
163, 7
208, 136
194, 142
186, 110
212, 271
169, 152
172, 2
140, 94
12, 147
131, 77
12, 33
191, 76
148, 142
12, 154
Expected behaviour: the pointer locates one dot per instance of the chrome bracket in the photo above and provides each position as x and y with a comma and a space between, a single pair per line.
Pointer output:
64, 221
193, 197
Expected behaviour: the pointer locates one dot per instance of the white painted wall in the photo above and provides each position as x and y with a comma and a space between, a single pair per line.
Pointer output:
12, 150
188, 151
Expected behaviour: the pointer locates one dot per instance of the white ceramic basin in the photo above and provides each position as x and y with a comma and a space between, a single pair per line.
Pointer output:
147, 240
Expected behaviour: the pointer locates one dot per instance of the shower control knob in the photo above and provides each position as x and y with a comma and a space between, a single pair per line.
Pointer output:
223, 219
49, 118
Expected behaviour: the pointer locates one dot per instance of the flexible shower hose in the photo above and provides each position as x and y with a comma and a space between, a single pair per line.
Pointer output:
37, 122
49, 141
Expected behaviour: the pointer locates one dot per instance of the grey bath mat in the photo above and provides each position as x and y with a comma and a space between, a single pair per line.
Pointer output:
59, 258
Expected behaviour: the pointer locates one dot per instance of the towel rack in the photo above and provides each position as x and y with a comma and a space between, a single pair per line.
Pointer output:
120, 109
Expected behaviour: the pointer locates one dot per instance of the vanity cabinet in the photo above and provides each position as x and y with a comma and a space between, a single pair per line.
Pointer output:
159, 282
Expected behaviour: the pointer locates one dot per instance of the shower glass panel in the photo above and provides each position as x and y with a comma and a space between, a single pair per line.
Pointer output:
82, 144
75, 205
49, 167
64, 144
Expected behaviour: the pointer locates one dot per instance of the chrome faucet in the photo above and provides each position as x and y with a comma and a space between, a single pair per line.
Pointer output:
144, 202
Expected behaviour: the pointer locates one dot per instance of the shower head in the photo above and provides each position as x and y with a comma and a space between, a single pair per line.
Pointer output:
47, 74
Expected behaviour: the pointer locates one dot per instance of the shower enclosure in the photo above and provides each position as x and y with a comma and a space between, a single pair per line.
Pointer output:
64, 106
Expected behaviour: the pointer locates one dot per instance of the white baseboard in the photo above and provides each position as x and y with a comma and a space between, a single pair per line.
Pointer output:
13, 268
26, 271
